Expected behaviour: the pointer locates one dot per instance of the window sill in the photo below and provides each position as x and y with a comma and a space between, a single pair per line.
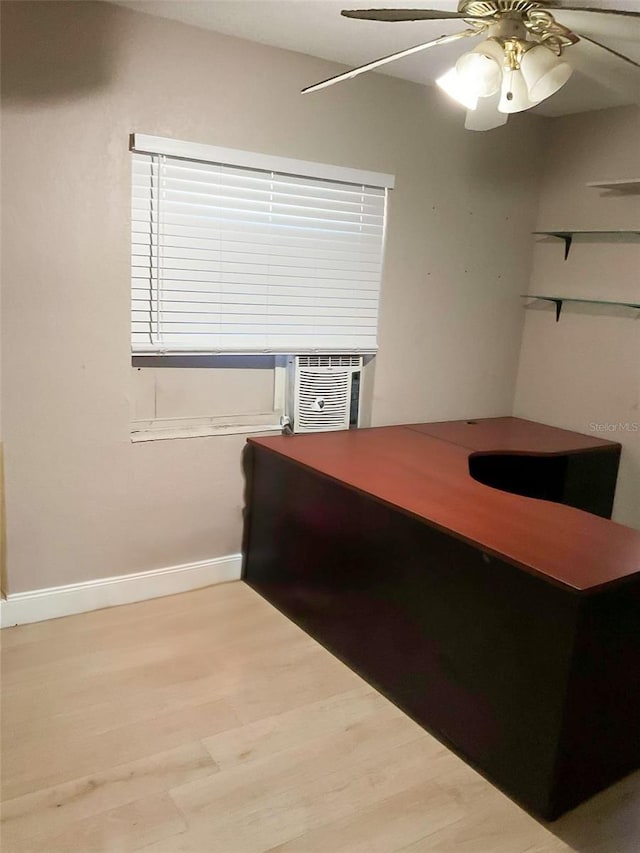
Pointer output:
162, 429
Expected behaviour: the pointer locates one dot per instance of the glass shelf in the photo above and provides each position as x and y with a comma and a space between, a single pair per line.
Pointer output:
559, 300
607, 235
621, 186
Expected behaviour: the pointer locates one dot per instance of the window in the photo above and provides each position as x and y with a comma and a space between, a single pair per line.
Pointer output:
234, 252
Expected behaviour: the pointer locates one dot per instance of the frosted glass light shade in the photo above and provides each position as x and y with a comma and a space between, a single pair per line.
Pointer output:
486, 117
544, 72
514, 96
480, 70
455, 88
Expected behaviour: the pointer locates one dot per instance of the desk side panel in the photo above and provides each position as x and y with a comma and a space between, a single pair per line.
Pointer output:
600, 741
590, 481
474, 649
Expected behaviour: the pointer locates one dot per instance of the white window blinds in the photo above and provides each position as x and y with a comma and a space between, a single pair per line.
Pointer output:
229, 258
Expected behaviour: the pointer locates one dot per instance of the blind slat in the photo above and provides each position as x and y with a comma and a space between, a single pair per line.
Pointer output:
277, 237
233, 250
330, 298
304, 277
236, 262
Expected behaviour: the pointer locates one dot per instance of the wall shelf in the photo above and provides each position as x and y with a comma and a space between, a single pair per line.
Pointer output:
611, 235
620, 186
560, 300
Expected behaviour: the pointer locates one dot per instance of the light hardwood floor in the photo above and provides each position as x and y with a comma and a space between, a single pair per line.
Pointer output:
208, 722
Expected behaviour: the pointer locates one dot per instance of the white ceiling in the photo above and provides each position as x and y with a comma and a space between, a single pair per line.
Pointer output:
315, 27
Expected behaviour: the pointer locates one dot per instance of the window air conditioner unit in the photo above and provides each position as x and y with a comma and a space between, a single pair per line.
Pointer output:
323, 392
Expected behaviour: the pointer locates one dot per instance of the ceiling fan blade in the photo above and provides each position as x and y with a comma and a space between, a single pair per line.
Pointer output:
395, 15
399, 15
486, 115
391, 58
557, 8
609, 50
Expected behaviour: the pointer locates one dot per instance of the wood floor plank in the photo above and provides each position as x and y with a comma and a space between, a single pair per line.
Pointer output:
69, 755
124, 828
491, 821
21, 666
382, 826
273, 810
295, 728
266, 802
499, 830
46, 813
182, 676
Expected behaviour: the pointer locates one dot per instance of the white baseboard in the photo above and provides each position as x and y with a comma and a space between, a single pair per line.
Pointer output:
40, 604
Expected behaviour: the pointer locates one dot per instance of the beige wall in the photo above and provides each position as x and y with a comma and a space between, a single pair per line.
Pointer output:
82, 501
585, 370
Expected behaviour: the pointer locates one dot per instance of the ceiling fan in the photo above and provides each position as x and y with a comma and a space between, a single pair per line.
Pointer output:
517, 65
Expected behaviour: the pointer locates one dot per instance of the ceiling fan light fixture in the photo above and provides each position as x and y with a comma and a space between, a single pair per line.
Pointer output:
514, 97
544, 72
452, 85
480, 70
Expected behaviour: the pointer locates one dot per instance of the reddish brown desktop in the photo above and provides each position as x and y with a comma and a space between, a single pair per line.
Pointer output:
470, 572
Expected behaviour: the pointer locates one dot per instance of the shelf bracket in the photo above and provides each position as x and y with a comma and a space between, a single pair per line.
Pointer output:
562, 235
558, 303
568, 240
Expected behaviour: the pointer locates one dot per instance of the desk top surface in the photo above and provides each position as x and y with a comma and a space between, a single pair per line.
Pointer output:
423, 470
512, 435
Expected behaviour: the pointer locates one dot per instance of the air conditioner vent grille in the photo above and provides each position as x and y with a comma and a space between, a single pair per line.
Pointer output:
323, 400
329, 361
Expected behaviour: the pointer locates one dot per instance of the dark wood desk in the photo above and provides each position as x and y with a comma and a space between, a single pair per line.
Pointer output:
507, 625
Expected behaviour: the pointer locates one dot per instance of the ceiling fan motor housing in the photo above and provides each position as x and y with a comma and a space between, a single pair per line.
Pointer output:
516, 18
487, 8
